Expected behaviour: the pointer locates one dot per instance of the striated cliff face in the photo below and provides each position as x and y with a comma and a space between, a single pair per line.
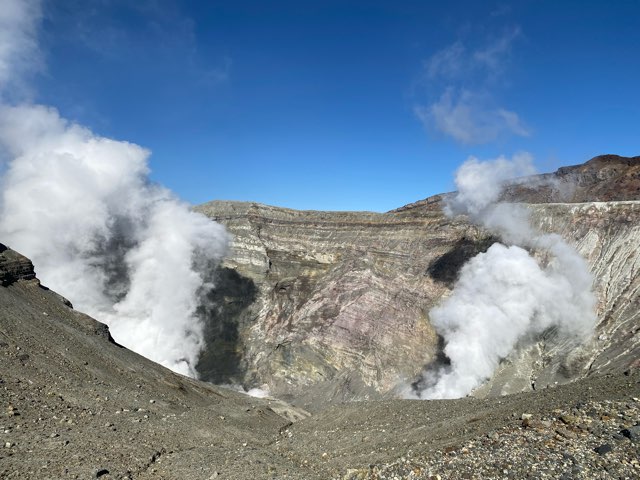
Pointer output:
14, 267
332, 306
337, 305
607, 235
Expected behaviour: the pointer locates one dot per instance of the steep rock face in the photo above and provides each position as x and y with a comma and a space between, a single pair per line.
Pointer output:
607, 235
336, 303
14, 267
341, 298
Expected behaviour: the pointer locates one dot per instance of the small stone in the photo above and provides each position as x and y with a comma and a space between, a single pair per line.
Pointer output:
569, 419
214, 475
152, 401
101, 472
632, 433
8, 445
566, 433
537, 424
603, 449
355, 474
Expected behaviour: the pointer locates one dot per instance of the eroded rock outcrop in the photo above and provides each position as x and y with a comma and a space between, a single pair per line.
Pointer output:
341, 298
335, 304
14, 267
607, 235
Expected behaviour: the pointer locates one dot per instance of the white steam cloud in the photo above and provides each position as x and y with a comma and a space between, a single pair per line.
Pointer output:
504, 296
82, 208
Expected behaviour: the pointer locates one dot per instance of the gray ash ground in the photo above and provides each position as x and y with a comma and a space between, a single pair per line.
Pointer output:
552, 433
594, 440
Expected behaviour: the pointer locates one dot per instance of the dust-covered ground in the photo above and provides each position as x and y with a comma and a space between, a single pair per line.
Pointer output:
76, 405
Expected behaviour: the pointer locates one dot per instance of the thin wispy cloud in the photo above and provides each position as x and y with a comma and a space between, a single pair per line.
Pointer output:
19, 52
463, 84
501, 10
220, 73
163, 35
493, 55
447, 63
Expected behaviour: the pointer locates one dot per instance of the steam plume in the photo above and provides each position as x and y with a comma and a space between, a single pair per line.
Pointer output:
82, 208
504, 295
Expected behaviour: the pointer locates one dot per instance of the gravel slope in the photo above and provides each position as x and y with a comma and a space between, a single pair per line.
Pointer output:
73, 404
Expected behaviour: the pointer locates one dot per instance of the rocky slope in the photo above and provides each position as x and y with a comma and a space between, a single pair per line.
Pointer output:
74, 404
332, 306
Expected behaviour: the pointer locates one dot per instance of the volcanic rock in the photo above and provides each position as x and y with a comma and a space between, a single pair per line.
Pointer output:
14, 267
331, 306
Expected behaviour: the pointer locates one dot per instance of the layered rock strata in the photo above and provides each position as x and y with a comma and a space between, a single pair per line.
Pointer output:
334, 305
14, 267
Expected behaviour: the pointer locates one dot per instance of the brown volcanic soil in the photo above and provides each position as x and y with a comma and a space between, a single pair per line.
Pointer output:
604, 178
74, 404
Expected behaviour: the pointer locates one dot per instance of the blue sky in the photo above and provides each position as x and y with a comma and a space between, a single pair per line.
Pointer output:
343, 105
